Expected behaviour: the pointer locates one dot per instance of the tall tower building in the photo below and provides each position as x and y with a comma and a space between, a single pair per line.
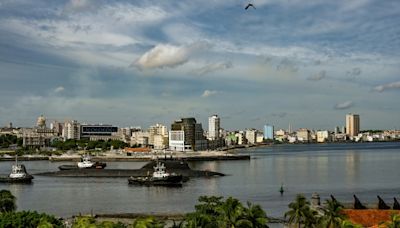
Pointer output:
213, 127
352, 124
187, 134
268, 132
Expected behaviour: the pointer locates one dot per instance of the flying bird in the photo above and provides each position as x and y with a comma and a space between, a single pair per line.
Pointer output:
248, 5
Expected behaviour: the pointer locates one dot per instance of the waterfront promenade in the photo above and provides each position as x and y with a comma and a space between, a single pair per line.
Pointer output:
113, 156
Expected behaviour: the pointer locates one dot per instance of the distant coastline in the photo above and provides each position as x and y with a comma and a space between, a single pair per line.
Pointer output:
225, 153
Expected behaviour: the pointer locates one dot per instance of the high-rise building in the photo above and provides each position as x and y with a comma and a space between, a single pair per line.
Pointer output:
186, 134
268, 132
352, 124
72, 130
213, 127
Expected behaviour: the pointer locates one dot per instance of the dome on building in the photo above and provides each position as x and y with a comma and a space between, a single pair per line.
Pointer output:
41, 121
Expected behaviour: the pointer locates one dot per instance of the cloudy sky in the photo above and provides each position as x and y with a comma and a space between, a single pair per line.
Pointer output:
135, 63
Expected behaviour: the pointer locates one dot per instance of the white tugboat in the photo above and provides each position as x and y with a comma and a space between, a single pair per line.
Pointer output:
18, 174
160, 177
85, 162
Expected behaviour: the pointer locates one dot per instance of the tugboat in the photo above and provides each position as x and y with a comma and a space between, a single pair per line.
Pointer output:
159, 178
85, 163
18, 174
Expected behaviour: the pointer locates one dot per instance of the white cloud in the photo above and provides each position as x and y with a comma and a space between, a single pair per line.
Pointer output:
213, 67
393, 85
166, 55
208, 93
59, 89
344, 105
318, 76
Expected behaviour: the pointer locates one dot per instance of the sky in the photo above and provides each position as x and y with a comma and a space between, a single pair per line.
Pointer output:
137, 63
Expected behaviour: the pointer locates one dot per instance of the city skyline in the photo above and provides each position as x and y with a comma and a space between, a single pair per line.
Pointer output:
307, 64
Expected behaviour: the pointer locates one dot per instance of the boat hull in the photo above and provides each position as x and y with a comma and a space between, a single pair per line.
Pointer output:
170, 181
22, 180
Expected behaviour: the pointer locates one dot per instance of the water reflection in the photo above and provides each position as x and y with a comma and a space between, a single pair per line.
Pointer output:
352, 167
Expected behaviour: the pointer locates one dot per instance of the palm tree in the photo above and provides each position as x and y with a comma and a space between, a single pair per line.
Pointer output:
231, 213
255, 215
7, 201
332, 217
300, 212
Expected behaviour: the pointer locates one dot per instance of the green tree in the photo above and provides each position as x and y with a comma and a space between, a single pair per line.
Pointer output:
7, 201
348, 224
231, 213
28, 219
332, 217
147, 222
300, 212
394, 221
84, 222
206, 212
255, 215
214, 212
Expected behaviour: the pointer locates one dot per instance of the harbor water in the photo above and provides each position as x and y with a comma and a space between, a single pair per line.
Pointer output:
365, 169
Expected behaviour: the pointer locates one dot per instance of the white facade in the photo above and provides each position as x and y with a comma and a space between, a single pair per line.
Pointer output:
140, 138
303, 135
251, 136
160, 142
177, 141
72, 130
214, 123
157, 129
322, 136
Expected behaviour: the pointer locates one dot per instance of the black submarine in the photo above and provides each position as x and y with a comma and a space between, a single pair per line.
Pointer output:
175, 166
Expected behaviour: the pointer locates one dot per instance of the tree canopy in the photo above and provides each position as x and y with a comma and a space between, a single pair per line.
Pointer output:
7, 201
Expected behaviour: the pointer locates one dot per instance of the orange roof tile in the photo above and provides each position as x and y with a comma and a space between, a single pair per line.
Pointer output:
370, 217
138, 149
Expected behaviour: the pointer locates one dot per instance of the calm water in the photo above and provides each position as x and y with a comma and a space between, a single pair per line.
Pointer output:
339, 169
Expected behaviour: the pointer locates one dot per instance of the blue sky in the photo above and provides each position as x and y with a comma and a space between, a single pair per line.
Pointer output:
136, 63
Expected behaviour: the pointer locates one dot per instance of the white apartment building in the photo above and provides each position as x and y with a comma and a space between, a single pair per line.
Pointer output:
303, 135
157, 129
72, 130
323, 136
214, 126
251, 136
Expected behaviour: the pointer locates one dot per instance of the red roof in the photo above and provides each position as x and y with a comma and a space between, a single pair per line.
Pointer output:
369, 217
138, 149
